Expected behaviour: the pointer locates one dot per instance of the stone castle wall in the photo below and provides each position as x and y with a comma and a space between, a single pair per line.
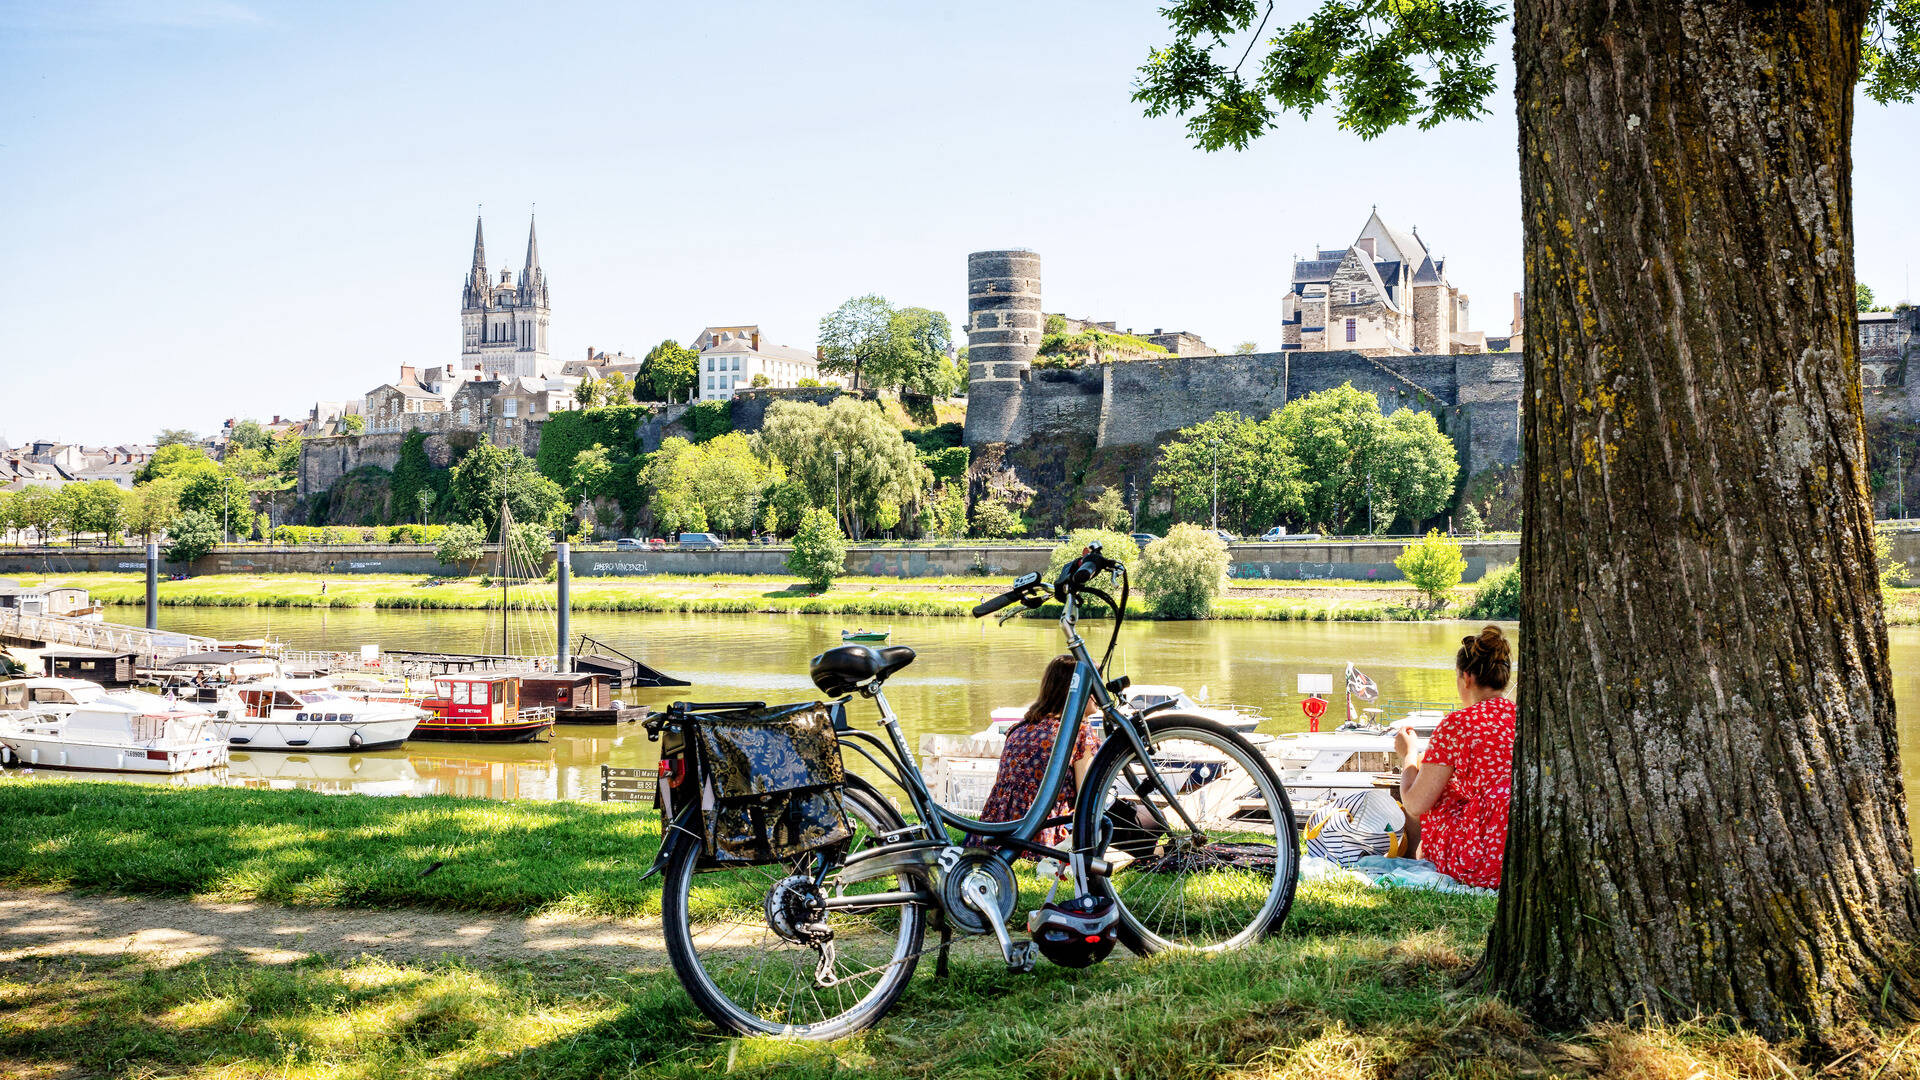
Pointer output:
324, 459
1143, 402
1140, 403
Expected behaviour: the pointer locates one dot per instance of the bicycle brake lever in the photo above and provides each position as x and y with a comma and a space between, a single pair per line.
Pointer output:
1001, 619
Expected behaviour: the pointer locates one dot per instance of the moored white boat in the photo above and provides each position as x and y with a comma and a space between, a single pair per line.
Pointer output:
47, 695
310, 715
120, 732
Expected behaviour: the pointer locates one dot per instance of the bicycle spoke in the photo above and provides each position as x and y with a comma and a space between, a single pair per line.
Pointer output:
769, 957
1216, 887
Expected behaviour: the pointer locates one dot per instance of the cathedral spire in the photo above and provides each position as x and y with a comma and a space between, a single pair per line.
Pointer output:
533, 250
479, 271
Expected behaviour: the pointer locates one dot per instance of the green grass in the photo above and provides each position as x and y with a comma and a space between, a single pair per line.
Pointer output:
1304, 1005
1359, 983
305, 848
868, 596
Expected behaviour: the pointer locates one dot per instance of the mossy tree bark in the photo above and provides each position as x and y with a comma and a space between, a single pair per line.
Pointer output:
1708, 810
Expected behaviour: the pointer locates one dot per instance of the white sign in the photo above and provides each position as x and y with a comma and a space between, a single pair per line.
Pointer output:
1315, 684
369, 654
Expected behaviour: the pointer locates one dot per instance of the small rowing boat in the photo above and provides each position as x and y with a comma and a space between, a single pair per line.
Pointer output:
866, 635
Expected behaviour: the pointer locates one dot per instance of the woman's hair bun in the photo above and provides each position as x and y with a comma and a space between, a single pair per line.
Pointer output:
1488, 657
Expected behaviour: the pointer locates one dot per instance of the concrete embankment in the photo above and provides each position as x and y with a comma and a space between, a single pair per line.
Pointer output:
1287, 561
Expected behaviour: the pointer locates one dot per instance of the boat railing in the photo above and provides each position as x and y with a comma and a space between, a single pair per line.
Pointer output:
1392, 709
538, 712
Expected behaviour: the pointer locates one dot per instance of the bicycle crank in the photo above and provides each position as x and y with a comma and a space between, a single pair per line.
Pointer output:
981, 892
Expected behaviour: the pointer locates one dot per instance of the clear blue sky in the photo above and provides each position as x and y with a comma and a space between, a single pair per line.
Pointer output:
223, 209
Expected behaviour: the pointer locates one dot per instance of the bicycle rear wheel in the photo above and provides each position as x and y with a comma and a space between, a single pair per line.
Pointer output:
1218, 885
759, 954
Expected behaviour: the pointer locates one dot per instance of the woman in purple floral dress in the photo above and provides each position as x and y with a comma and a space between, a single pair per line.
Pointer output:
1023, 763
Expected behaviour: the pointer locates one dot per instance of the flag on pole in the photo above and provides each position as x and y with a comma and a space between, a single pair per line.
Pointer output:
1360, 686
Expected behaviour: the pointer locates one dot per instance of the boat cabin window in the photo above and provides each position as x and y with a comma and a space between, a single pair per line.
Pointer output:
53, 695
13, 696
1148, 701
285, 699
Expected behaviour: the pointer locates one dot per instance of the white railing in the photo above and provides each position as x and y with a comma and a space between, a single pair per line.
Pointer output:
344, 663
113, 637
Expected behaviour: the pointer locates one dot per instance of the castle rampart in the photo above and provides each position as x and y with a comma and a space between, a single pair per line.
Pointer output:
1140, 403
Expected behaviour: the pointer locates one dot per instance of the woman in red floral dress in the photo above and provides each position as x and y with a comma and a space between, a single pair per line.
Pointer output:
1023, 763
1462, 784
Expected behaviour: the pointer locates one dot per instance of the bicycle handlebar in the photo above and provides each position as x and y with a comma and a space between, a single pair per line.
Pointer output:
1021, 586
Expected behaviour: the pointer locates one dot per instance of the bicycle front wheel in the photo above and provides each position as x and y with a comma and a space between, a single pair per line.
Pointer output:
762, 951
1207, 859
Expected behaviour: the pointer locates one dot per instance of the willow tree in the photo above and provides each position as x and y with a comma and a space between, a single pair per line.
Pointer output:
1708, 813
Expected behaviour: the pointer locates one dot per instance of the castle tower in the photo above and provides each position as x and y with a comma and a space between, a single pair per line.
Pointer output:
503, 323
1004, 326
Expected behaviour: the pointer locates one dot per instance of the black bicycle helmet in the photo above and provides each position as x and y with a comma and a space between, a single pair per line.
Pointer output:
1076, 933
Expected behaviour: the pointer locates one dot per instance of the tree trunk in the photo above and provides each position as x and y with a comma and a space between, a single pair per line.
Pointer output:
1708, 814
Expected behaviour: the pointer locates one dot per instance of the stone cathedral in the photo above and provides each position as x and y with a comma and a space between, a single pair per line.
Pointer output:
503, 323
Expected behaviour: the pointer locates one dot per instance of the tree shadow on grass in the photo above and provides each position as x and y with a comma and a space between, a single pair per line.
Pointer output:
306, 848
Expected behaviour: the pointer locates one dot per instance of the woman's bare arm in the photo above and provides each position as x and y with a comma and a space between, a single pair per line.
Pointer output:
1421, 785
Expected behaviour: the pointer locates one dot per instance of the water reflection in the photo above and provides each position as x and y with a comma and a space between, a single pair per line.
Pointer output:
965, 670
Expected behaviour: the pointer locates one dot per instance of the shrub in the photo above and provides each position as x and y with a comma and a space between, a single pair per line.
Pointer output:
949, 463
1433, 564
459, 544
1183, 575
1469, 520
407, 534
709, 419
192, 535
532, 542
339, 534
994, 520
819, 550
1893, 572
1110, 510
1497, 596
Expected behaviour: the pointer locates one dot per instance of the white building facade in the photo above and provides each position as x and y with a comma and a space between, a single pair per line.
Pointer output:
731, 357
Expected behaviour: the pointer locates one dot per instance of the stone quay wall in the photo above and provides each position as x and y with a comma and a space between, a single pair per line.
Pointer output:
1284, 561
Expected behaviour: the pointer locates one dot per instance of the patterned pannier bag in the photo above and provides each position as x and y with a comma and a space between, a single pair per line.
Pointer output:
770, 782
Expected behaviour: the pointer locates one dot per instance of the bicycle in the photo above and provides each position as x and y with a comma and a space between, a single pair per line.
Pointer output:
821, 946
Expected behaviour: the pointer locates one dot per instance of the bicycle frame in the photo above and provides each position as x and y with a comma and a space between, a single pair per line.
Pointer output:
1087, 685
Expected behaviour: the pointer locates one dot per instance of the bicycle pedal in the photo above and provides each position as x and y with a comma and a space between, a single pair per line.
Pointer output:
1022, 958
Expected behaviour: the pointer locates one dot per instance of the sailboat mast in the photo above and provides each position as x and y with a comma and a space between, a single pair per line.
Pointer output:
506, 538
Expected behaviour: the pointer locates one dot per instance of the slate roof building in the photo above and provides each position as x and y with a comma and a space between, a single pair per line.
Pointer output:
1383, 294
730, 357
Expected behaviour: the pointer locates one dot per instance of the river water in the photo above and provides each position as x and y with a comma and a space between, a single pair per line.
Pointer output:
966, 668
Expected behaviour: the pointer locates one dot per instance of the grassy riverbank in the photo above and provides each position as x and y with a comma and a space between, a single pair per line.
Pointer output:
866, 596
1361, 983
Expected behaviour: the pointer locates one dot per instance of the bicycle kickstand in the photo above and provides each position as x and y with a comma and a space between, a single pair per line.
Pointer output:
946, 940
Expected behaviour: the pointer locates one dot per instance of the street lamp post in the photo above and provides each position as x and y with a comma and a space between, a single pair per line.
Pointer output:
1369, 504
838, 457
1216, 482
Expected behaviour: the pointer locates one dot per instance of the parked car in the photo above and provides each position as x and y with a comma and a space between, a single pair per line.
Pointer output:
628, 543
700, 541
656, 544
1143, 539
1225, 536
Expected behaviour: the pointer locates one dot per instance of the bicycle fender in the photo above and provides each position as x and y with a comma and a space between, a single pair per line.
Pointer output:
684, 829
